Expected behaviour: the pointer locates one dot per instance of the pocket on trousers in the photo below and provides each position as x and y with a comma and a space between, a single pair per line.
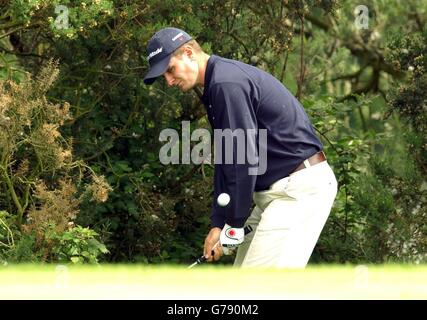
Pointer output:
311, 183
265, 198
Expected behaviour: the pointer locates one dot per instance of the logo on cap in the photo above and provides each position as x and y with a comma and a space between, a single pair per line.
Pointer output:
152, 54
177, 36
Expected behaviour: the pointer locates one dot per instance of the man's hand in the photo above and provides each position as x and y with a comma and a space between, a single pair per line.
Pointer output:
231, 238
211, 240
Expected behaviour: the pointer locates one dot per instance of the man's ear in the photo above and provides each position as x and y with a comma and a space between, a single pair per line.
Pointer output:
189, 52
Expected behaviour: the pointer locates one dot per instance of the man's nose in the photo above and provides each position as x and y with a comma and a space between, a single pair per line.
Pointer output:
169, 79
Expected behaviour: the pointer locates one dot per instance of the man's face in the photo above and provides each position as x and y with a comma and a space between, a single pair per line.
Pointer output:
182, 72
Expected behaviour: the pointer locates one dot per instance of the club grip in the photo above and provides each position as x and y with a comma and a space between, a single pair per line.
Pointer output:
201, 259
248, 229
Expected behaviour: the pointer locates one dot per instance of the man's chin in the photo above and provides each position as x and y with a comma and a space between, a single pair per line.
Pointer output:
185, 89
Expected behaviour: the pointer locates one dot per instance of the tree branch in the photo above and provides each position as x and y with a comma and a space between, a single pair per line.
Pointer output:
302, 71
13, 194
24, 54
231, 34
18, 29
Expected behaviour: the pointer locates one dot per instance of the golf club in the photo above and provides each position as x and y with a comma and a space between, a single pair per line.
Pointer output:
202, 258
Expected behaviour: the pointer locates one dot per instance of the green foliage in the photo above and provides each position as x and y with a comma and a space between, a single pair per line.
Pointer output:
24, 251
393, 203
6, 234
77, 245
409, 100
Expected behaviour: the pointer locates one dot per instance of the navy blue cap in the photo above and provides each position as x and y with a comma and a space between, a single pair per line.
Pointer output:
160, 49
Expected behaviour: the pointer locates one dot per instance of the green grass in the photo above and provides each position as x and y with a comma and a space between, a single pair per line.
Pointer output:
212, 282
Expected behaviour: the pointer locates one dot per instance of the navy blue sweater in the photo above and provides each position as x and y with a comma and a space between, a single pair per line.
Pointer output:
239, 96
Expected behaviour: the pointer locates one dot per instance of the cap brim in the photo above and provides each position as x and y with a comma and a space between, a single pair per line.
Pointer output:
157, 70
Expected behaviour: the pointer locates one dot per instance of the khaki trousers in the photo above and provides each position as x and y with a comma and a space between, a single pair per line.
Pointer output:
288, 219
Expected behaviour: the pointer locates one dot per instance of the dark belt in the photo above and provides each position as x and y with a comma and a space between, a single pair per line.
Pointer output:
314, 159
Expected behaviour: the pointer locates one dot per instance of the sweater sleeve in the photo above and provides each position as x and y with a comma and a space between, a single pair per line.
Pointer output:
235, 129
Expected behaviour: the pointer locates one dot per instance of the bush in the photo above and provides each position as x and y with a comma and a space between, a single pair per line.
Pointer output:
41, 185
77, 245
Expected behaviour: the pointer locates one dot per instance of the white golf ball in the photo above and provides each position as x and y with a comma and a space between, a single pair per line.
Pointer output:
223, 199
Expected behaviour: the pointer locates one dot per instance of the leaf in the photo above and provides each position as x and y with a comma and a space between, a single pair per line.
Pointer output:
75, 259
122, 166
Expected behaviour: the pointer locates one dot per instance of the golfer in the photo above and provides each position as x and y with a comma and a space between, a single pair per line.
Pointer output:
293, 195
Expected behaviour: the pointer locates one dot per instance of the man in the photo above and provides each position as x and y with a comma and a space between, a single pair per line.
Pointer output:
294, 196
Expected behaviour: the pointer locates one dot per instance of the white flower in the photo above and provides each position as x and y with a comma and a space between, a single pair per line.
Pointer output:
375, 35
254, 59
376, 116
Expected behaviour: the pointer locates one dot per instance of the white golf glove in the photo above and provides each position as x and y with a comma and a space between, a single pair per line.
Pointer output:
230, 238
